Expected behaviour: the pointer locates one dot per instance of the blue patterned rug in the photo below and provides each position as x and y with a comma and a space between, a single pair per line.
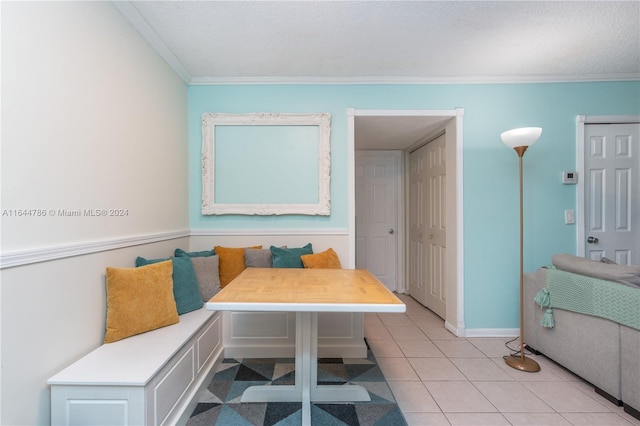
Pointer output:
221, 405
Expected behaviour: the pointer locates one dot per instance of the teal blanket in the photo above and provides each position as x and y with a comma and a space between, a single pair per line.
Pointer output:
591, 296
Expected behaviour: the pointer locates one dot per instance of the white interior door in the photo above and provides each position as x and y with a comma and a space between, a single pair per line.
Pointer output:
417, 225
377, 202
436, 226
612, 192
427, 179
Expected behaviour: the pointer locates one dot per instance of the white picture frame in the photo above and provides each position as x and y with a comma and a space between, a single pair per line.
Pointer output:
210, 206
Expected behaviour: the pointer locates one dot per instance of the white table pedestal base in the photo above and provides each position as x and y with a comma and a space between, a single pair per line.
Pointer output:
306, 389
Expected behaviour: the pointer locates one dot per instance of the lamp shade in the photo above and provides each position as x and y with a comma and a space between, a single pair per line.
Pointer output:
524, 136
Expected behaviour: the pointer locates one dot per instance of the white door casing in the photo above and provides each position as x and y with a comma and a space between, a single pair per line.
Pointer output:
453, 123
612, 192
377, 180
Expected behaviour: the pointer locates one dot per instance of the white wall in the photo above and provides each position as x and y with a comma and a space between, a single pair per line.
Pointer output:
92, 118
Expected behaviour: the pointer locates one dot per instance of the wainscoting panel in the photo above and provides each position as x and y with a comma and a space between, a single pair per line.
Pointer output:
272, 335
261, 325
335, 325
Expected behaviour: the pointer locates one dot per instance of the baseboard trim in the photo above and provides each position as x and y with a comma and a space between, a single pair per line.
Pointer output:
457, 331
492, 332
26, 257
607, 396
631, 411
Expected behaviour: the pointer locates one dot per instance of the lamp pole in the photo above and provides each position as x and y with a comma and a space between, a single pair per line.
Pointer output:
522, 363
520, 140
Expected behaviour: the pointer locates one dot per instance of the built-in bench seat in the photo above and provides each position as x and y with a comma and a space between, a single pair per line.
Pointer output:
153, 378
147, 379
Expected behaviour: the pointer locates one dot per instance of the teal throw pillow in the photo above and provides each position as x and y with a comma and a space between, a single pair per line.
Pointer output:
289, 257
186, 291
204, 253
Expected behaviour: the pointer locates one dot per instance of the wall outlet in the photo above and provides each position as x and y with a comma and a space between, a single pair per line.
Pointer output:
569, 217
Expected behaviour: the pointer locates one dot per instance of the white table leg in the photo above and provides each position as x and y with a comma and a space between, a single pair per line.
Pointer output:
306, 387
330, 393
309, 329
306, 368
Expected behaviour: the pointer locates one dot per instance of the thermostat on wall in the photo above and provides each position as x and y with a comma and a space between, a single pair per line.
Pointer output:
569, 178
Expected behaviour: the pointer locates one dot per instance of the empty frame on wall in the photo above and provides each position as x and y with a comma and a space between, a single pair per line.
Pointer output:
266, 164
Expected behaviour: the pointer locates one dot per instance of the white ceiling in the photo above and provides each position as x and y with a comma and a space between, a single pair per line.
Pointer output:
395, 132
221, 42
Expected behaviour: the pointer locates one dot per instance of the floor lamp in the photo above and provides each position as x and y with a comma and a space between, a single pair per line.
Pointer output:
520, 140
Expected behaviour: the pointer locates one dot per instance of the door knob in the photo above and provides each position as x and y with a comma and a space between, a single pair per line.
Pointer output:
592, 240
391, 231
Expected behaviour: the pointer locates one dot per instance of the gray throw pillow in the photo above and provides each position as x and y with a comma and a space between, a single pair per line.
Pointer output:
207, 274
258, 258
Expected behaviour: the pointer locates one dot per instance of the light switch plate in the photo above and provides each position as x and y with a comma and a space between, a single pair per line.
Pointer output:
569, 217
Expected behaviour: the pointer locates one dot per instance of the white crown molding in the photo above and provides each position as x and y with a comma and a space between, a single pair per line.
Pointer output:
583, 78
26, 257
129, 11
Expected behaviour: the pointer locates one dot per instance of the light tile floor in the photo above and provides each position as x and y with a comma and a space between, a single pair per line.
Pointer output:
440, 379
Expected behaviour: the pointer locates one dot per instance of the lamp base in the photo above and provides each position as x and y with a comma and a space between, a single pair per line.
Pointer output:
522, 363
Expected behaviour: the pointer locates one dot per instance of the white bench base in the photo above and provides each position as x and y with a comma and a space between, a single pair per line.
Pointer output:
148, 379
153, 378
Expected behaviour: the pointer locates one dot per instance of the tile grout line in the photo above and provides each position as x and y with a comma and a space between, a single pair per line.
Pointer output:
486, 355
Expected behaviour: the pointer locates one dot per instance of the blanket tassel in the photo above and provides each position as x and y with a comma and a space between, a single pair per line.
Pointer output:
547, 319
542, 298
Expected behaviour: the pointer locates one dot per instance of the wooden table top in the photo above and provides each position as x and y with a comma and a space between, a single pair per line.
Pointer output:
306, 290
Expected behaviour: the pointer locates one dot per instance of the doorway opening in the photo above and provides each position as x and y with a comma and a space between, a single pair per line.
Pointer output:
404, 131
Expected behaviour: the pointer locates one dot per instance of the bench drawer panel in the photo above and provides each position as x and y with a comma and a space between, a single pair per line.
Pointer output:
96, 412
173, 385
96, 406
208, 341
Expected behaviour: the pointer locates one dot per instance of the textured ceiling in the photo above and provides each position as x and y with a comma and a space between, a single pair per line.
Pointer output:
211, 42
395, 132
398, 41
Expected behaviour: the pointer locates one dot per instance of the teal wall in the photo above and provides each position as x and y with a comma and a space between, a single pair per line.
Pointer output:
241, 174
491, 218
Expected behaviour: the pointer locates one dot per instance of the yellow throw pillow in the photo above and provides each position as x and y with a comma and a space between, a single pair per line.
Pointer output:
139, 300
231, 262
327, 259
